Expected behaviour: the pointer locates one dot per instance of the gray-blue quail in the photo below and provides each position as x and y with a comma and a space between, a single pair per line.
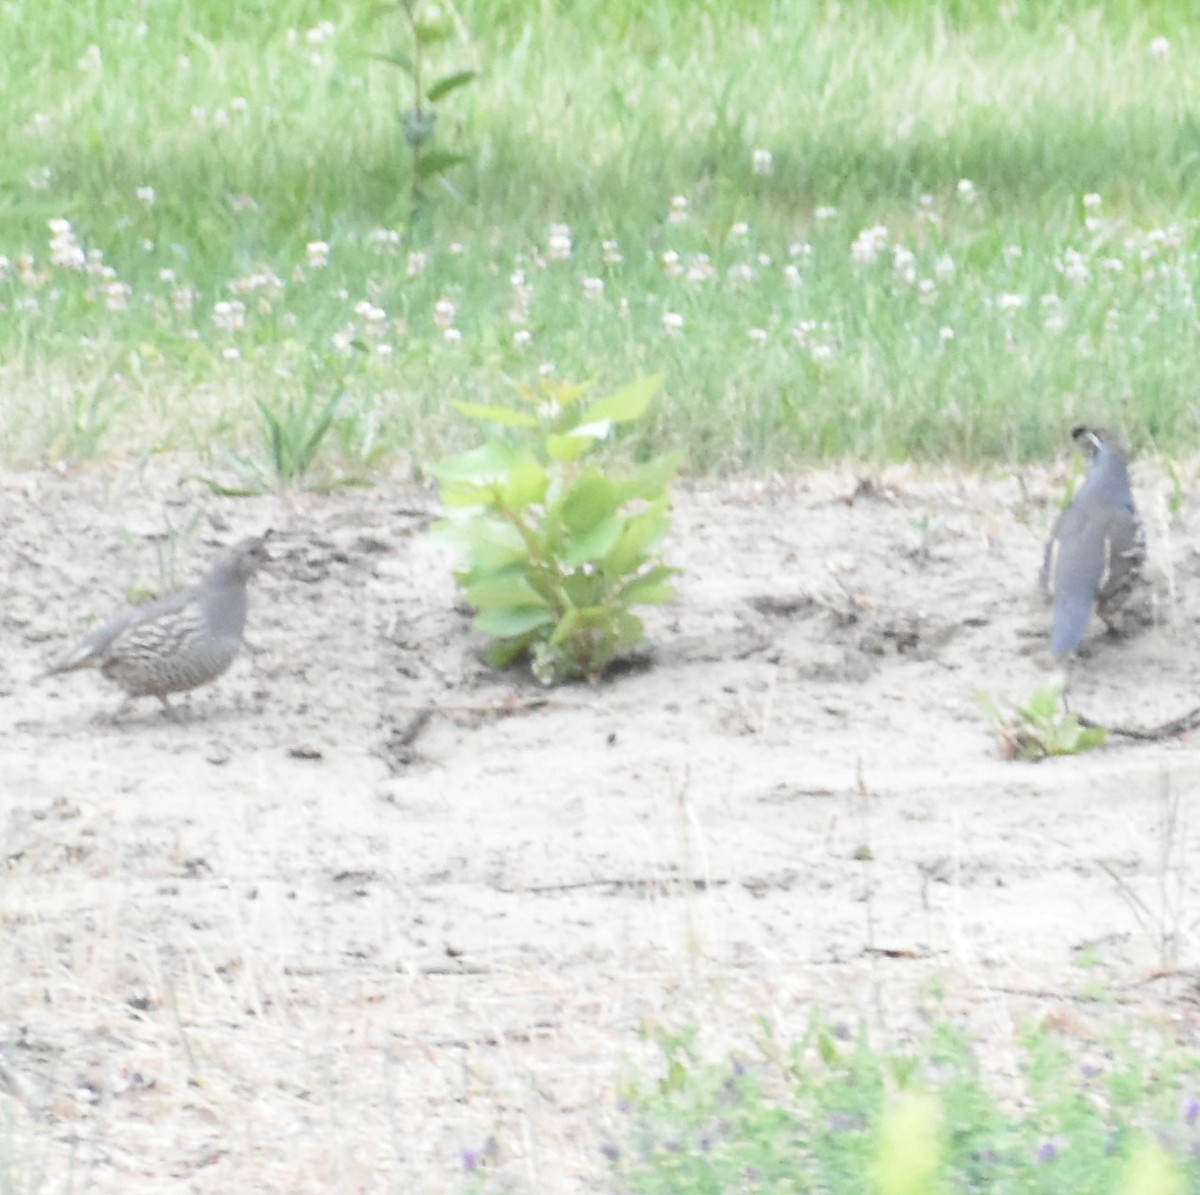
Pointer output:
180, 641
1096, 552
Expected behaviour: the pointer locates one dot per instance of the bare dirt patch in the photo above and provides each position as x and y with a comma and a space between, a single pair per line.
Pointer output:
315, 937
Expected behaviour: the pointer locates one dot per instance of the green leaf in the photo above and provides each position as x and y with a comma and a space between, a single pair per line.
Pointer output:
566, 448
527, 484
430, 33
652, 478
582, 590
652, 588
448, 83
642, 532
489, 462
396, 58
437, 162
467, 493
505, 624
597, 541
629, 403
630, 629
504, 593
504, 652
593, 431
592, 498
502, 415
568, 627
489, 544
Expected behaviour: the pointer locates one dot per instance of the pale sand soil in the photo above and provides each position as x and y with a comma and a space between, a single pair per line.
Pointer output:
271, 947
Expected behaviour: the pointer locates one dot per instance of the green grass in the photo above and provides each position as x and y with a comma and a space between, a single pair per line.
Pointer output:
834, 1115
987, 320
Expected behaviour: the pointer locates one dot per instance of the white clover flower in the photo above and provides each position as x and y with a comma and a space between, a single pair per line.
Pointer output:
317, 254
672, 323
593, 288
758, 335
451, 335
966, 190
869, 244
740, 229
763, 162
320, 33
679, 210
945, 334
904, 264
825, 213
945, 266
1013, 253
343, 339
229, 315
558, 247
701, 268
231, 354
611, 253
59, 227
547, 369
91, 60
1114, 265
146, 195
417, 263
65, 251
671, 264
444, 313
116, 296
792, 273
239, 103
1010, 302
96, 267
800, 250
821, 352
741, 273
522, 338
927, 290
184, 299
384, 236
384, 350
1092, 200
1075, 268
1160, 49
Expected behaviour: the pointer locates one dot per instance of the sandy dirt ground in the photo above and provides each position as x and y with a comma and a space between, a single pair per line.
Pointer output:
298, 940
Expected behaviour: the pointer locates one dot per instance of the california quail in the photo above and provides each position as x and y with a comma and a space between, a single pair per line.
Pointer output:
180, 641
1095, 555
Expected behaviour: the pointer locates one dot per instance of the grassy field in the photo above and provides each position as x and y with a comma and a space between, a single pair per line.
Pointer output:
938, 230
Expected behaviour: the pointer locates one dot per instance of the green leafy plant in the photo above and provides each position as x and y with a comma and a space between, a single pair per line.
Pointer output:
834, 1114
558, 550
427, 27
1042, 727
294, 434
